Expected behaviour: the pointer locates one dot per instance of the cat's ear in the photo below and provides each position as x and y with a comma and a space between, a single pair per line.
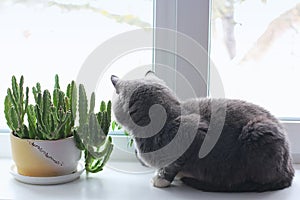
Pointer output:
152, 76
150, 73
115, 80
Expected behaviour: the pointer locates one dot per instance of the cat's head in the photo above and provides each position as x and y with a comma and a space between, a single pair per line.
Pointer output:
134, 99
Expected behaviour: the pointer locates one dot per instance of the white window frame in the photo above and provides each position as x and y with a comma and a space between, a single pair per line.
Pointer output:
192, 17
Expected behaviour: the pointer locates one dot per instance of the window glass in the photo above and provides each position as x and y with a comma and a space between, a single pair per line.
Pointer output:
255, 46
39, 39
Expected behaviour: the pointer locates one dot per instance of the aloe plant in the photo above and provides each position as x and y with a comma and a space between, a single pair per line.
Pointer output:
92, 136
49, 118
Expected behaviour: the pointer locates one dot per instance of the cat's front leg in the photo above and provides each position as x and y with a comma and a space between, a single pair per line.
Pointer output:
166, 175
159, 181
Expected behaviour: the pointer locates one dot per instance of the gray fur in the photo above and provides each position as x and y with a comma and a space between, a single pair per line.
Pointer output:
252, 153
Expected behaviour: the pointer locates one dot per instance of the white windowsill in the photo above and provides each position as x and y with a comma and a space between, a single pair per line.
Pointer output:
112, 184
123, 178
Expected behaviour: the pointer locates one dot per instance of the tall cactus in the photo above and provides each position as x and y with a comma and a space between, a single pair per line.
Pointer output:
15, 107
92, 133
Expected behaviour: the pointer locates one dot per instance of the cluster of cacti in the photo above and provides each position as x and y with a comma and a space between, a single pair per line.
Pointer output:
48, 119
15, 108
53, 118
91, 136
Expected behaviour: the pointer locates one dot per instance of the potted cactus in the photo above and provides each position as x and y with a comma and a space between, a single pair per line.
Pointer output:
92, 135
42, 134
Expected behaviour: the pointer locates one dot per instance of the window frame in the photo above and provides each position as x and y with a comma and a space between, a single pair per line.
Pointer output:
169, 14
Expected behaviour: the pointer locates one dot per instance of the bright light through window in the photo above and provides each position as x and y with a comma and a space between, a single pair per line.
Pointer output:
256, 48
39, 39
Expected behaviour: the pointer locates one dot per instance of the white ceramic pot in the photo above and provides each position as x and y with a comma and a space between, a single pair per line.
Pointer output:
45, 158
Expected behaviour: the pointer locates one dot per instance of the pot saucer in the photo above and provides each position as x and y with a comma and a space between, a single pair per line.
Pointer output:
47, 180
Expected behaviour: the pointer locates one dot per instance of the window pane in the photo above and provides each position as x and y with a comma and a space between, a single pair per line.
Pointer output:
39, 39
255, 47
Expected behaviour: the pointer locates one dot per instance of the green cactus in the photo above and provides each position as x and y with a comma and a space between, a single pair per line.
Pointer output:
104, 116
82, 105
92, 132
54, 117
48, 119
15, 107
72, 96
36, 90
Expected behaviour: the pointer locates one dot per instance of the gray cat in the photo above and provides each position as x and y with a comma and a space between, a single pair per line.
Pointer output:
251, 153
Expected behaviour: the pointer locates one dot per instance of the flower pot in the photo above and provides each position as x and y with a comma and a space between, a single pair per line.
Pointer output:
45, 158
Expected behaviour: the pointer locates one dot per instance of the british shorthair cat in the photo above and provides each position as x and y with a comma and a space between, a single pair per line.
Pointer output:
251, 153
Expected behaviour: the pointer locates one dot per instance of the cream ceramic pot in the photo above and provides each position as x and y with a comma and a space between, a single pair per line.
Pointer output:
45, 158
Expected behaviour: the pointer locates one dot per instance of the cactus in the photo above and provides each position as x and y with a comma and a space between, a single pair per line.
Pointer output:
51, 122
72, 96
48, 119
15, 107
104, 116
92, 132
53, 118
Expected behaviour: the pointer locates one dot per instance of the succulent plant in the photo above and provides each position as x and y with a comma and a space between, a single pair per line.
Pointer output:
15, 108
48, 119
92, 132
53, 119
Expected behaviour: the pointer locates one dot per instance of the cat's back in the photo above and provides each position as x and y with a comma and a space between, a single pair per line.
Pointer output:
236, 111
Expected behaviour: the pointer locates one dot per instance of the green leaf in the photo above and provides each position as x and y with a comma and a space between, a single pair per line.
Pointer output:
113, 125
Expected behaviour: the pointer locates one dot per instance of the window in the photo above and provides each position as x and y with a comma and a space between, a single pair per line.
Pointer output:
248, 57
229, 57
257, 56
42, 38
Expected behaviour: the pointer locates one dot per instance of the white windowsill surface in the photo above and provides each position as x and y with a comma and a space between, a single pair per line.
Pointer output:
112, 184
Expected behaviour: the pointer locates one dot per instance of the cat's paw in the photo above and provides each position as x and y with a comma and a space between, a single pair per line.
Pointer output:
160, 182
